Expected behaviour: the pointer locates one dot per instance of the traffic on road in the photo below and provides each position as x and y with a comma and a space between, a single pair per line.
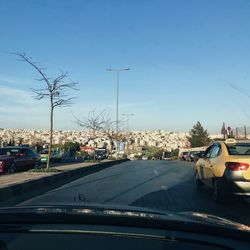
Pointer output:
152, 186
168, 186
124, 124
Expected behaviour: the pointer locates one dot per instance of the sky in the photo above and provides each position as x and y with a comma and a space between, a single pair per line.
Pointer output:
189, 60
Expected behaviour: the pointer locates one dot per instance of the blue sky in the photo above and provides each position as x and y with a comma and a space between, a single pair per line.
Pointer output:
183, 55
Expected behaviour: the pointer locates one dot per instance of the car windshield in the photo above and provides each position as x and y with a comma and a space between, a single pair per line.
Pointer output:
239, 149
128, 95
45, 151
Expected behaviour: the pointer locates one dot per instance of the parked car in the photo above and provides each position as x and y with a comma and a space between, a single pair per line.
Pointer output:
189, 156
197, 155
166, 156
55, 156
13, 159
184, 156
193, 156
225, 167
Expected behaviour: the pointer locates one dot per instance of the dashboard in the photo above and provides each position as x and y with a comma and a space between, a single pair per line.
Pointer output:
74, 236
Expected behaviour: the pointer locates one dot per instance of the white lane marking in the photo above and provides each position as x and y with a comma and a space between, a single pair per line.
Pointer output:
156, 172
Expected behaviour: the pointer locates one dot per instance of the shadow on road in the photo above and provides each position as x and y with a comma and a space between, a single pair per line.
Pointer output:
109, 175
185, 197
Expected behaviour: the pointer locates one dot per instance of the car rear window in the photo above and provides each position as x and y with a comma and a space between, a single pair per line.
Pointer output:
46, 151
9, 151
2, 151
239, 149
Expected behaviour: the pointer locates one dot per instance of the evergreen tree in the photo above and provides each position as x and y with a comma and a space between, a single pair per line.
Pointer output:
198, 136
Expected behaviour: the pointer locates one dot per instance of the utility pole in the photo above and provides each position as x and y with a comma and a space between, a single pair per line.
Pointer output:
237, 133
117, 100
127, 120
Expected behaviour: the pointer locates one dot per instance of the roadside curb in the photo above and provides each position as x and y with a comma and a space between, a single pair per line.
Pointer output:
46, 183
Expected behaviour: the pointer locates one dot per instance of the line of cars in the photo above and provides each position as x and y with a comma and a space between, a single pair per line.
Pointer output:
19, 158
14, 159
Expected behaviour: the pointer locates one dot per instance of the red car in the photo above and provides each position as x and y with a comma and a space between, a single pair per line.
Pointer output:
14, 159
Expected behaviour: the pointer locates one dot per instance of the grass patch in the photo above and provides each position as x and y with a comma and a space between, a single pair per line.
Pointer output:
91, 161
174, 157
44, 170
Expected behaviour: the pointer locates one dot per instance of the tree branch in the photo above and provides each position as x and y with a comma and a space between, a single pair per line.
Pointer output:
33, 64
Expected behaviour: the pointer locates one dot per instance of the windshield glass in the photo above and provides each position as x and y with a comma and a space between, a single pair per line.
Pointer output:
9, 151
45, 151
239, 149
114, 103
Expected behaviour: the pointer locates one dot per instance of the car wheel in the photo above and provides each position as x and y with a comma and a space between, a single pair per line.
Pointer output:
12, 168
197, 180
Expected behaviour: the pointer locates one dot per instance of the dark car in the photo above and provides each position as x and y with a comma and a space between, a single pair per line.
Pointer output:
14, 159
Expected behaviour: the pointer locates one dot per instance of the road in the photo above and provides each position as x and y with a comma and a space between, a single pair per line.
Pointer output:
162, 185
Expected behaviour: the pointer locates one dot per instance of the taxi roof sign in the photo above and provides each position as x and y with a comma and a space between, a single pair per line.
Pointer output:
230, 141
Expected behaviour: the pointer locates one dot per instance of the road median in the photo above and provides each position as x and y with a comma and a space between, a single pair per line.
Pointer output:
27, 184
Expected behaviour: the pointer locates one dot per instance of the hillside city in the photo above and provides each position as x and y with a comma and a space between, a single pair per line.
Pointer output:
135, 140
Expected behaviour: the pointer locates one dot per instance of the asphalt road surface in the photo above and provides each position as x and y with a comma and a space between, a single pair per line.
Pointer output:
162, 185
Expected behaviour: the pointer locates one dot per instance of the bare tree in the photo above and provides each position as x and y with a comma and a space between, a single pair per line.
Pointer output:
55, 90
109, 130
101, 122
93, 122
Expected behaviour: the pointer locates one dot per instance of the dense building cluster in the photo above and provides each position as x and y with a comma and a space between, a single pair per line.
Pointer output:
135, 139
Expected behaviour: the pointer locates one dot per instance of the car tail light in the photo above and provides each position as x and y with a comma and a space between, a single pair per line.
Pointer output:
237, 166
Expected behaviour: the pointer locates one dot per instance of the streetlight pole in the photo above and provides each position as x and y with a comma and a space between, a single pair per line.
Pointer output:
127, 120
127, 134
117, 101
117, 98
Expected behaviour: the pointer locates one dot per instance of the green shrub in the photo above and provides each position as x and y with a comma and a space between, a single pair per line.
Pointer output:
44, 170
174, 157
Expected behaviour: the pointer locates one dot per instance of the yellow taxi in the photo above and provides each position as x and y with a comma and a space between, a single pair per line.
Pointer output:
224, 167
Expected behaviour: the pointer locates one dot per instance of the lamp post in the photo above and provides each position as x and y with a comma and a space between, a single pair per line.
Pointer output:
127, 120
117, 97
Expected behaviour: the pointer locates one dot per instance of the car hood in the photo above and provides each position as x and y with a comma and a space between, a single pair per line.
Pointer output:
60, 213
